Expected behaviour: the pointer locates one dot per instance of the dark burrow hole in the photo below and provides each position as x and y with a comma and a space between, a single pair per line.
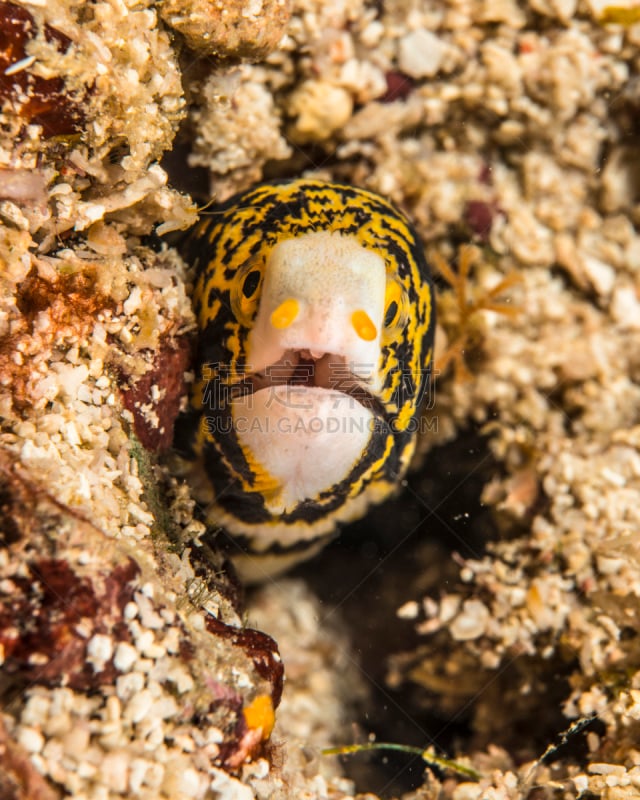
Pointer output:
402, 550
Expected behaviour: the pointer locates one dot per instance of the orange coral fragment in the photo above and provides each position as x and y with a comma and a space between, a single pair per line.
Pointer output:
260, 715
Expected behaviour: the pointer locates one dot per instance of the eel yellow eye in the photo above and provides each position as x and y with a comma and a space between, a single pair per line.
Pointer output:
285, 313
363, 325
392, 304
251, 283
246, 291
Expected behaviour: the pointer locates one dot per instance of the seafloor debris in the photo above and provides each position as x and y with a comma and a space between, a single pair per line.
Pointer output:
231, 30
105, 665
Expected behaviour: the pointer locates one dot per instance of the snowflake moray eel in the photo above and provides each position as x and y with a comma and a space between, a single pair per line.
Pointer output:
316, 318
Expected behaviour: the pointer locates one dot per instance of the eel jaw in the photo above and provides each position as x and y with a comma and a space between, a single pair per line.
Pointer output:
300, 441
313, 367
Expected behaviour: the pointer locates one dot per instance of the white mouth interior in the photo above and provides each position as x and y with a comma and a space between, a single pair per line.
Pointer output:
306, 368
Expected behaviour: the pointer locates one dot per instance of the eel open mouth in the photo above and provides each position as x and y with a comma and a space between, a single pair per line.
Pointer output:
304, 422
316, 369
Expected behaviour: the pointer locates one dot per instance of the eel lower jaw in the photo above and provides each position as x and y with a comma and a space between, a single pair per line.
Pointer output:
304, 424
300, 441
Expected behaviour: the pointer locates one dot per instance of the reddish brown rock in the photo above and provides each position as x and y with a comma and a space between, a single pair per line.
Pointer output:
37, 100
154, 398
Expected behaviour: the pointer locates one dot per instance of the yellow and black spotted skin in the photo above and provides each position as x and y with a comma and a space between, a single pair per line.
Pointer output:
233, 248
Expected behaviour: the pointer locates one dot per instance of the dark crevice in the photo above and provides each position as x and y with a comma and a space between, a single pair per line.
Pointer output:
405, 549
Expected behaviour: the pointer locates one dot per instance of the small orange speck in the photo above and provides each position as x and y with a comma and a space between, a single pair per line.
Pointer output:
260, 714
363, 325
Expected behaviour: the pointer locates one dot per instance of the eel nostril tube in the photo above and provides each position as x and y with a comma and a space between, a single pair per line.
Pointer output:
363, 325
285, 313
